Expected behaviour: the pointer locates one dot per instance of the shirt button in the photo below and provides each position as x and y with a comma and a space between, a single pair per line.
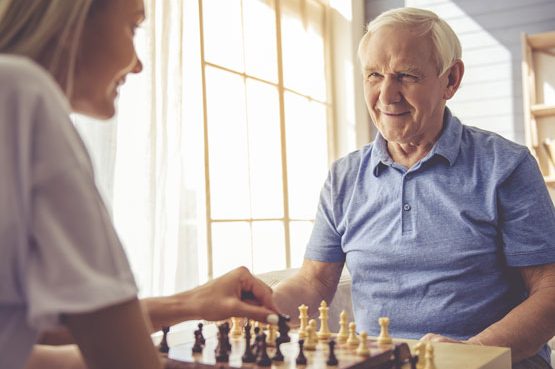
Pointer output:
406, 207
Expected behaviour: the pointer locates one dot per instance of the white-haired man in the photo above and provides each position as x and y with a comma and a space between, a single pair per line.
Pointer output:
444, 228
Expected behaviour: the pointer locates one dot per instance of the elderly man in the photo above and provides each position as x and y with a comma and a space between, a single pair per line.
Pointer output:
445, 228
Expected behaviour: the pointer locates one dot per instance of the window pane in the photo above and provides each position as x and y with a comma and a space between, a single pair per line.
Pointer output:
307, 153
259, 21
228, 145
265, 150
300, 234
231, 246
268, 246
303, 49
223, 43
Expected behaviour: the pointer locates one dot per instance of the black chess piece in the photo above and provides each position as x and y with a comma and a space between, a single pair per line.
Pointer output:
198, 346
225, 329
263, 360
255, 344
301, 359
163, 347
221, 352
283, 327
201, 336
278, 356
248, 356
332, 359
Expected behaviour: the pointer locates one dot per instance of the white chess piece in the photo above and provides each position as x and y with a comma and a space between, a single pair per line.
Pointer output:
353, 339
430, 361
362, 349
384, 338
272, 335
303, 318
419, 351
324, 332
236, 330
343, 333
311, 339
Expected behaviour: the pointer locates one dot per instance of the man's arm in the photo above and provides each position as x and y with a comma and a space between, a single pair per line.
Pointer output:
114, 337
527, 327
315, 281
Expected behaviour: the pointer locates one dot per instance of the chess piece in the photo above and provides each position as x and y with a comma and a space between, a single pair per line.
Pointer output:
324, 332
283, 327
311, 336
163, 347
362, 349
264, 360
419, 349
254, 346
332, 359
226, 329
353, 339
343, 333
198, 346
430, 361
303, 319
301, 359
248, 355
384, 338
201, 336
222, 349
236, 331
278, 356
272, 334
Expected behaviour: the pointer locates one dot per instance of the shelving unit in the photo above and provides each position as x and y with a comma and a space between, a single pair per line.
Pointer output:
538, 72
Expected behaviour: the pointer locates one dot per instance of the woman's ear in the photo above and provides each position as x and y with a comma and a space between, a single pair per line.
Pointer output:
454, 78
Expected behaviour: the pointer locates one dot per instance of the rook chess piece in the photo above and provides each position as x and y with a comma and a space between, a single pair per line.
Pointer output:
362, 349
264, 360
163, 347
324, 332
303, 319
353, 339
384, 338
343, 333
332, 359
301, 359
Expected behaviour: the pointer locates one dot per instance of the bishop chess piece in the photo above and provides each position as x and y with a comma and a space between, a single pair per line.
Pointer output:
332, 359
343, 333
263, 360
163, 347
301, 359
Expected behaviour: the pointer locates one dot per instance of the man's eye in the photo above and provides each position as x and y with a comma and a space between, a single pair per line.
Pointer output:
405, 77
373, 75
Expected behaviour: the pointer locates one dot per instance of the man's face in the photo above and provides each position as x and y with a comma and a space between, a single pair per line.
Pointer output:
404, 95
106, 56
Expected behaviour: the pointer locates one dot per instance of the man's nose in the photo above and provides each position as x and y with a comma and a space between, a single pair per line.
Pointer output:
390, 92
138, 66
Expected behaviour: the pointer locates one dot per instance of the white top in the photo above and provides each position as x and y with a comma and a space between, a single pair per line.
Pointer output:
59, 252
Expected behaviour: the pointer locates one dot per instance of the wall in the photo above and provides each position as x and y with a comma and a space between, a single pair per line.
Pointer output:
490, 32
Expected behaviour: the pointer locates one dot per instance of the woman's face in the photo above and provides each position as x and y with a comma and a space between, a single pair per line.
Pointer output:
106, 55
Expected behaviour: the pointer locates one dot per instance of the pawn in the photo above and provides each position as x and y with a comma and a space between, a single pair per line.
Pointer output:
278, 355
264, 360
311, 336
362, 349
332, 359
343, 333
301, 359
236, 331
384, 338
430, 361
352, 341
163, 347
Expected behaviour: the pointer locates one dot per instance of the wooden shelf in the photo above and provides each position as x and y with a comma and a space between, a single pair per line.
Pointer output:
542, 40
541, 110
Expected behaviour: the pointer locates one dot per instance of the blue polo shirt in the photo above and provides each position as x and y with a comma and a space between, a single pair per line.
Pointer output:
434, 247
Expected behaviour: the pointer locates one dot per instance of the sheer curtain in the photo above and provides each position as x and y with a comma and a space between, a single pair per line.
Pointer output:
149, 158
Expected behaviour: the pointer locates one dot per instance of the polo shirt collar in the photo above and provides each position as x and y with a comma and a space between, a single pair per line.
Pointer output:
446, 146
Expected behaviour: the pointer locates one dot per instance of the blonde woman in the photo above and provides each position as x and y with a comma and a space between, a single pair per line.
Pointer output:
62, 266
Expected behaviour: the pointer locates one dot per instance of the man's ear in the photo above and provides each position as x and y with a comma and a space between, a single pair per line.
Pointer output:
454, 78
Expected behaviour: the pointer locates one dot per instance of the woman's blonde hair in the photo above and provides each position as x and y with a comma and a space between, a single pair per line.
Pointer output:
446, 44
47, 31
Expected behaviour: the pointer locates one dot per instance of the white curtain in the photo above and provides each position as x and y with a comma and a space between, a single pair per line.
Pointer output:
149, 158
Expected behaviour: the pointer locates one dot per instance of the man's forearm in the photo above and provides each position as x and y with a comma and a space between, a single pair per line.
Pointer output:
525, 329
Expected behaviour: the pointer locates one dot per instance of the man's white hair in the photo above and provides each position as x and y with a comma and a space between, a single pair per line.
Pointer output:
446, 44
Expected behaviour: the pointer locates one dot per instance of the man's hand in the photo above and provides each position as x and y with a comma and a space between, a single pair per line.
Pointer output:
432, 337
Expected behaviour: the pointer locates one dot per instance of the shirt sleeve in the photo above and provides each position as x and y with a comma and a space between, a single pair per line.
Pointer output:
526, 216
75, 262
325, 240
